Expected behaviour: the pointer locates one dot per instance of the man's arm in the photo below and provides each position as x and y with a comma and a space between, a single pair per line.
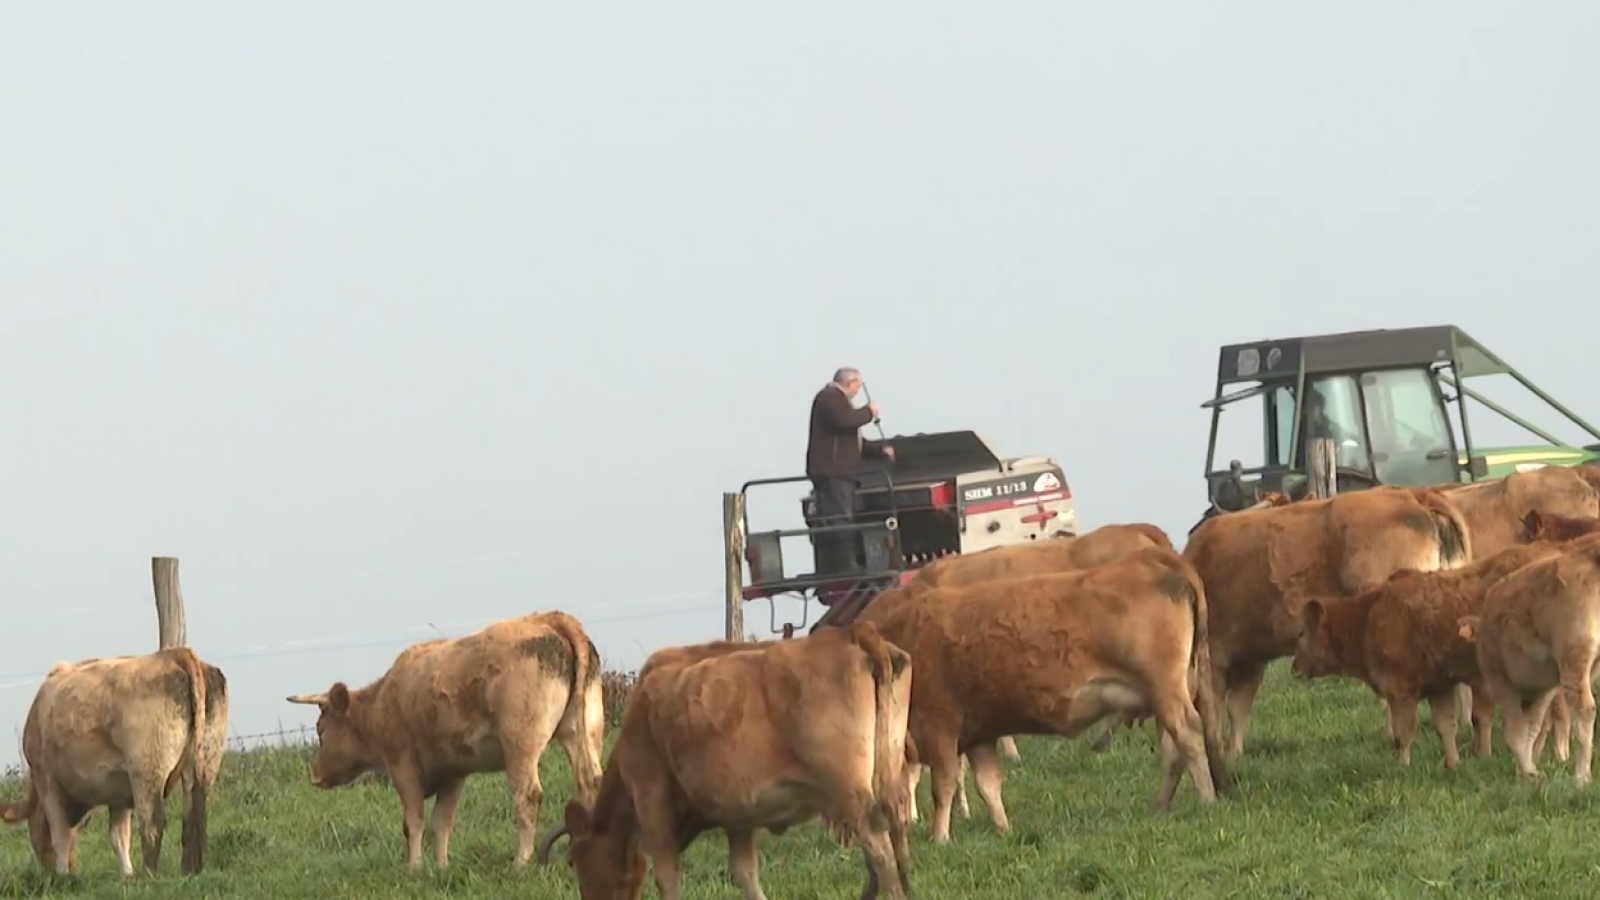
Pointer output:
841, 416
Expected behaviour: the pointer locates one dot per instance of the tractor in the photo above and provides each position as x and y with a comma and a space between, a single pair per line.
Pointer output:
945, 493
1385, 399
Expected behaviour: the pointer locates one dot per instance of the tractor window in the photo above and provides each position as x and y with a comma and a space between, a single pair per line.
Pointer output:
1333, 410
1411, 439
1282, 424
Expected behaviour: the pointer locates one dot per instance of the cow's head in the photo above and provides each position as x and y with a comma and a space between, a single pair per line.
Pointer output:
344, 751
608, 864
1542, 526
1315, 654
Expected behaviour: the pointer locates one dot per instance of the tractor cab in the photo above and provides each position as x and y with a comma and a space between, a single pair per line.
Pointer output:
1385, 398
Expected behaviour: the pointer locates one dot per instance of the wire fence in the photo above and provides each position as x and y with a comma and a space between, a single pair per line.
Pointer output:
299, 736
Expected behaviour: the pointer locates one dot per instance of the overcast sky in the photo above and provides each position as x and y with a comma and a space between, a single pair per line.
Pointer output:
393, 319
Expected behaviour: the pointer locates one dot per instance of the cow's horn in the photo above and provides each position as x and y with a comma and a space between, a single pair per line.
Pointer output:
310, 699
542, 854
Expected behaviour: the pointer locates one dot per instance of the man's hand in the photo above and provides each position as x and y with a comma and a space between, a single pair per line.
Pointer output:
888, 453
874, 408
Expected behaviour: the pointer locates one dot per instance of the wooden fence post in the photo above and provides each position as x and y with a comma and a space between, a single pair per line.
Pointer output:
1320, 469
733, 551
174, 628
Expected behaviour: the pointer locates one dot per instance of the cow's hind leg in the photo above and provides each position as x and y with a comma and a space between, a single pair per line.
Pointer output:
743, 864
151, 808
1442, 709
944, 765
1183, 745
1577, 688
1243, 684
1482, 710
988, 776
443, 818
63, 831
1008, 748
1403, 726
1521, 723
119, 828
964, 806
870, 822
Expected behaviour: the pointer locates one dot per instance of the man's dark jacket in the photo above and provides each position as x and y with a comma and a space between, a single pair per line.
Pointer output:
836, 448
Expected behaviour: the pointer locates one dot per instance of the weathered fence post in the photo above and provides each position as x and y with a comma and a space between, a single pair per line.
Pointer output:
174, 629
733, 549
1320, 469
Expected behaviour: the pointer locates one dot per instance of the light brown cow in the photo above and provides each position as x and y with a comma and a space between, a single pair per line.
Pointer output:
1497, 510
1539, 634
1400, 639
1054, 654
122, 732
1062, 554
1260, 567
742, 738
447, 708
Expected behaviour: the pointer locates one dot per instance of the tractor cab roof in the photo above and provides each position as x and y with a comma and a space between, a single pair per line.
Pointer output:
1349, 351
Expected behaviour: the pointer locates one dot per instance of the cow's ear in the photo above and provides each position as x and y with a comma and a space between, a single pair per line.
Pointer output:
577, 817
339, 697
1312, 614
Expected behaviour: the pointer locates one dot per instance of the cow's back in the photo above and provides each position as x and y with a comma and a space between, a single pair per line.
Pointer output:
1062, 554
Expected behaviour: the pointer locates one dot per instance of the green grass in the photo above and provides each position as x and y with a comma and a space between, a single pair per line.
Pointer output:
1322, 810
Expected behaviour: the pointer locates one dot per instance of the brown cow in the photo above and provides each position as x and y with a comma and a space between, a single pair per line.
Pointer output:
447, 708
748, 737
1539, 633
1054, 654
1542, 526
1400, 639
122, 732
1497, 510
1260, 567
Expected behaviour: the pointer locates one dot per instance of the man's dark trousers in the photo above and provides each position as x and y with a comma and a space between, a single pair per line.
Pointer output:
836, 503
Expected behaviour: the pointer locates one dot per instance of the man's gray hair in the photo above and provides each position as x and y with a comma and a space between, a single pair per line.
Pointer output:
846, 374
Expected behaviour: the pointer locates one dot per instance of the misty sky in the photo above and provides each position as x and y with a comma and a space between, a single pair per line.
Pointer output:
393, 319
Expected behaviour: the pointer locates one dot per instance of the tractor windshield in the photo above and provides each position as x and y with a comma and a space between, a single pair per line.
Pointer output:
1333, 410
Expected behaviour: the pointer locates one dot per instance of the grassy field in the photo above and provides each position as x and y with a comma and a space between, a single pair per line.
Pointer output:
1321, 810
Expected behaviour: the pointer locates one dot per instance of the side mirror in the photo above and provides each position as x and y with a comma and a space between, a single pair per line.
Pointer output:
1478, 466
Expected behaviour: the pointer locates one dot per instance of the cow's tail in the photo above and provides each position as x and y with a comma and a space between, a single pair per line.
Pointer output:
1190, 589
891, 683
1455, 537
194, 819
585, 675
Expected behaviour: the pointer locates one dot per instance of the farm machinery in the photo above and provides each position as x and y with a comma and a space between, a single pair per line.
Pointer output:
945, 493
1384, 398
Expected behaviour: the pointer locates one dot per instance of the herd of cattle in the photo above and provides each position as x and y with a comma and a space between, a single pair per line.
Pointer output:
1488, 591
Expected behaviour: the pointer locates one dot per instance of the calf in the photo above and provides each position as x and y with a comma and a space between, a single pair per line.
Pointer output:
1399, 638
447, 708
1539, 633
1054, 654
122, 732
750, 737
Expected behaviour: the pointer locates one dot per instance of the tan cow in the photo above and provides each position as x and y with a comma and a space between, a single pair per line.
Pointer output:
742, 738
1400, 639
1539, 634
1497, 510
486, 702
122, 732
1054, 654
1062, 554
1260, 566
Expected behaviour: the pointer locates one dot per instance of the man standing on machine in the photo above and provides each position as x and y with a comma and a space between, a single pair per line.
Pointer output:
834, 462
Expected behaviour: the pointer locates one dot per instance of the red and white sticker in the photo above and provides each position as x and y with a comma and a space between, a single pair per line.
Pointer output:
1046, 482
